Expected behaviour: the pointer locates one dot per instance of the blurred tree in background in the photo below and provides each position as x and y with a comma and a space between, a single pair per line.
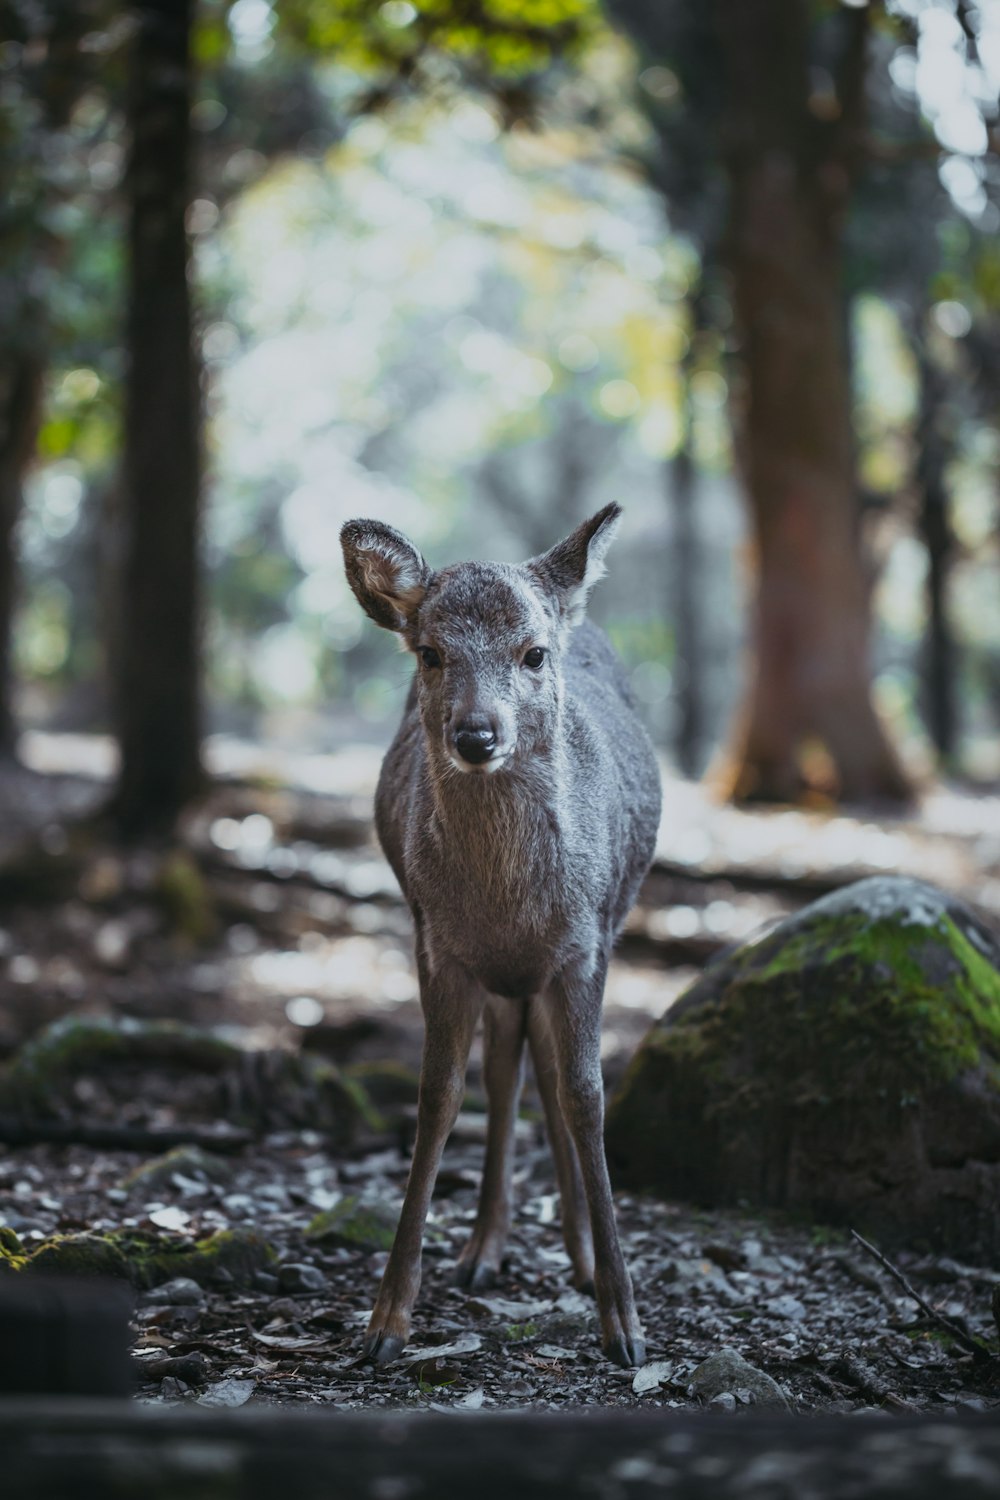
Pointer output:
478, 269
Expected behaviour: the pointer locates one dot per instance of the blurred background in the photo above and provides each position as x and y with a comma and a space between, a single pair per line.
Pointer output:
477, 269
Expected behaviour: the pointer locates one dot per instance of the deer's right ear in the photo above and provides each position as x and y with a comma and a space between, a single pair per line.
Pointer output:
386, 572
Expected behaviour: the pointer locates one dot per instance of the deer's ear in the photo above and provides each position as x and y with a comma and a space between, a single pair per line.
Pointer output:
571, 568
387, 573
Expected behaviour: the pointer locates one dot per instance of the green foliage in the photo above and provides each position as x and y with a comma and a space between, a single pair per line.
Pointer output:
500, 39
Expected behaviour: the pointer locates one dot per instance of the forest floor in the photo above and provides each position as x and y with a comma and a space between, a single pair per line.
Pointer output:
277, 926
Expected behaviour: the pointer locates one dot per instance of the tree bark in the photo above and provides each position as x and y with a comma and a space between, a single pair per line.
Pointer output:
157, 676
20, 392
808, 716
935, 531
686, 592
789, 160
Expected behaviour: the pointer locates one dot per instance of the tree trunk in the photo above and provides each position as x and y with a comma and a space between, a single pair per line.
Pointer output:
686, 592
157, 686
808, 720
935, 531
20, 391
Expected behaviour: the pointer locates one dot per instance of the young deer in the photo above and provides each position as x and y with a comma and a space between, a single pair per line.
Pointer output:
518, 806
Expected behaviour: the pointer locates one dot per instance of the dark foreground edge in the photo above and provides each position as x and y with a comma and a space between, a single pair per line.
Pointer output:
109, 1450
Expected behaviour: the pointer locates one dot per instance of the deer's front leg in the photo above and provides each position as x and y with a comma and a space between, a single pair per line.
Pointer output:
451, 1005
573, 1013
503, 1044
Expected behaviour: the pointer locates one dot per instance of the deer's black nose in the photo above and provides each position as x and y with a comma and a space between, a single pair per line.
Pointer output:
475, 741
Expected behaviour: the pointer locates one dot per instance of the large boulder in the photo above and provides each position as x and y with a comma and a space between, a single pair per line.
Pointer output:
846, 1066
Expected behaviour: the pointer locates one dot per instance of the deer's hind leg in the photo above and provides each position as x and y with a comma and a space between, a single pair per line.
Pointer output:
573, 1209
504, 1028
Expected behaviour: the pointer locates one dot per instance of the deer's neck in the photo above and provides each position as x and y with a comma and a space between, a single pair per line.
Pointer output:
507, 828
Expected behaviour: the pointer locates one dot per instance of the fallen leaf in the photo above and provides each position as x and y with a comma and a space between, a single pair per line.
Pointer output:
290, 1344
228, 1393
511, 1312
170, 1218
467, 1344
650, 1377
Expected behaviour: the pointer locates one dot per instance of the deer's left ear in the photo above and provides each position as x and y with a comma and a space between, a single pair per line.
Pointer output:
569, 570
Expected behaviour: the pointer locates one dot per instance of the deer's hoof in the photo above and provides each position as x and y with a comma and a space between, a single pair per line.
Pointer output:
585, 1285
381, 1348
476, 1275
627, 1350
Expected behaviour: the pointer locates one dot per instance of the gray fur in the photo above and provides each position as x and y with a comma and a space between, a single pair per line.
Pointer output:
519, 873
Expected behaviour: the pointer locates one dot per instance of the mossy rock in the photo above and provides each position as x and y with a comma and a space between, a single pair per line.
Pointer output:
390, 1085
12, 1253
83, 1254
186, 1161
260, 1088
845, 1066
81, 1044
355, 1223
229, 1256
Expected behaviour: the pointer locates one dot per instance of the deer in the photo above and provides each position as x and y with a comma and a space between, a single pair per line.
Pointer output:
518, 806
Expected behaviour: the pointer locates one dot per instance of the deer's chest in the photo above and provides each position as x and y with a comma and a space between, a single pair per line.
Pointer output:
504, 910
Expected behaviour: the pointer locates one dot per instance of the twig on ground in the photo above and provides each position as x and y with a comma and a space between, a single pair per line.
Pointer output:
976, 1348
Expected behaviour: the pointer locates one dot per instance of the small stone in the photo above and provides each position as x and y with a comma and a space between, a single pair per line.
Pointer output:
356, 1223
729, 1371
724, 1401
785, 1306
172, 1389
181, 1292
263, 1281
301, 1278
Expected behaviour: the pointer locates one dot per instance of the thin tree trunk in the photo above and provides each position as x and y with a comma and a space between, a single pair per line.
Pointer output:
20, 392
935, 530
809, 701
686, 593
157, 684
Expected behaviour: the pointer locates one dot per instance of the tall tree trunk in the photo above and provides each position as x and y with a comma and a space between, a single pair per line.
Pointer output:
809, 701
686, 591
158, 708
935, 531
20, 391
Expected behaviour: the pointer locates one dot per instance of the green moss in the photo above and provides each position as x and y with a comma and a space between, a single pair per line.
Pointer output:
388, 1084
352, 1222
519, 1333
348, 1097
237, 1253
146, 1259
12, 1252
80, 1255
842, 1004
186, 899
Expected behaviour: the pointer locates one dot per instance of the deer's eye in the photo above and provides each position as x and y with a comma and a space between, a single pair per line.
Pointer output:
534, 658
428, 656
